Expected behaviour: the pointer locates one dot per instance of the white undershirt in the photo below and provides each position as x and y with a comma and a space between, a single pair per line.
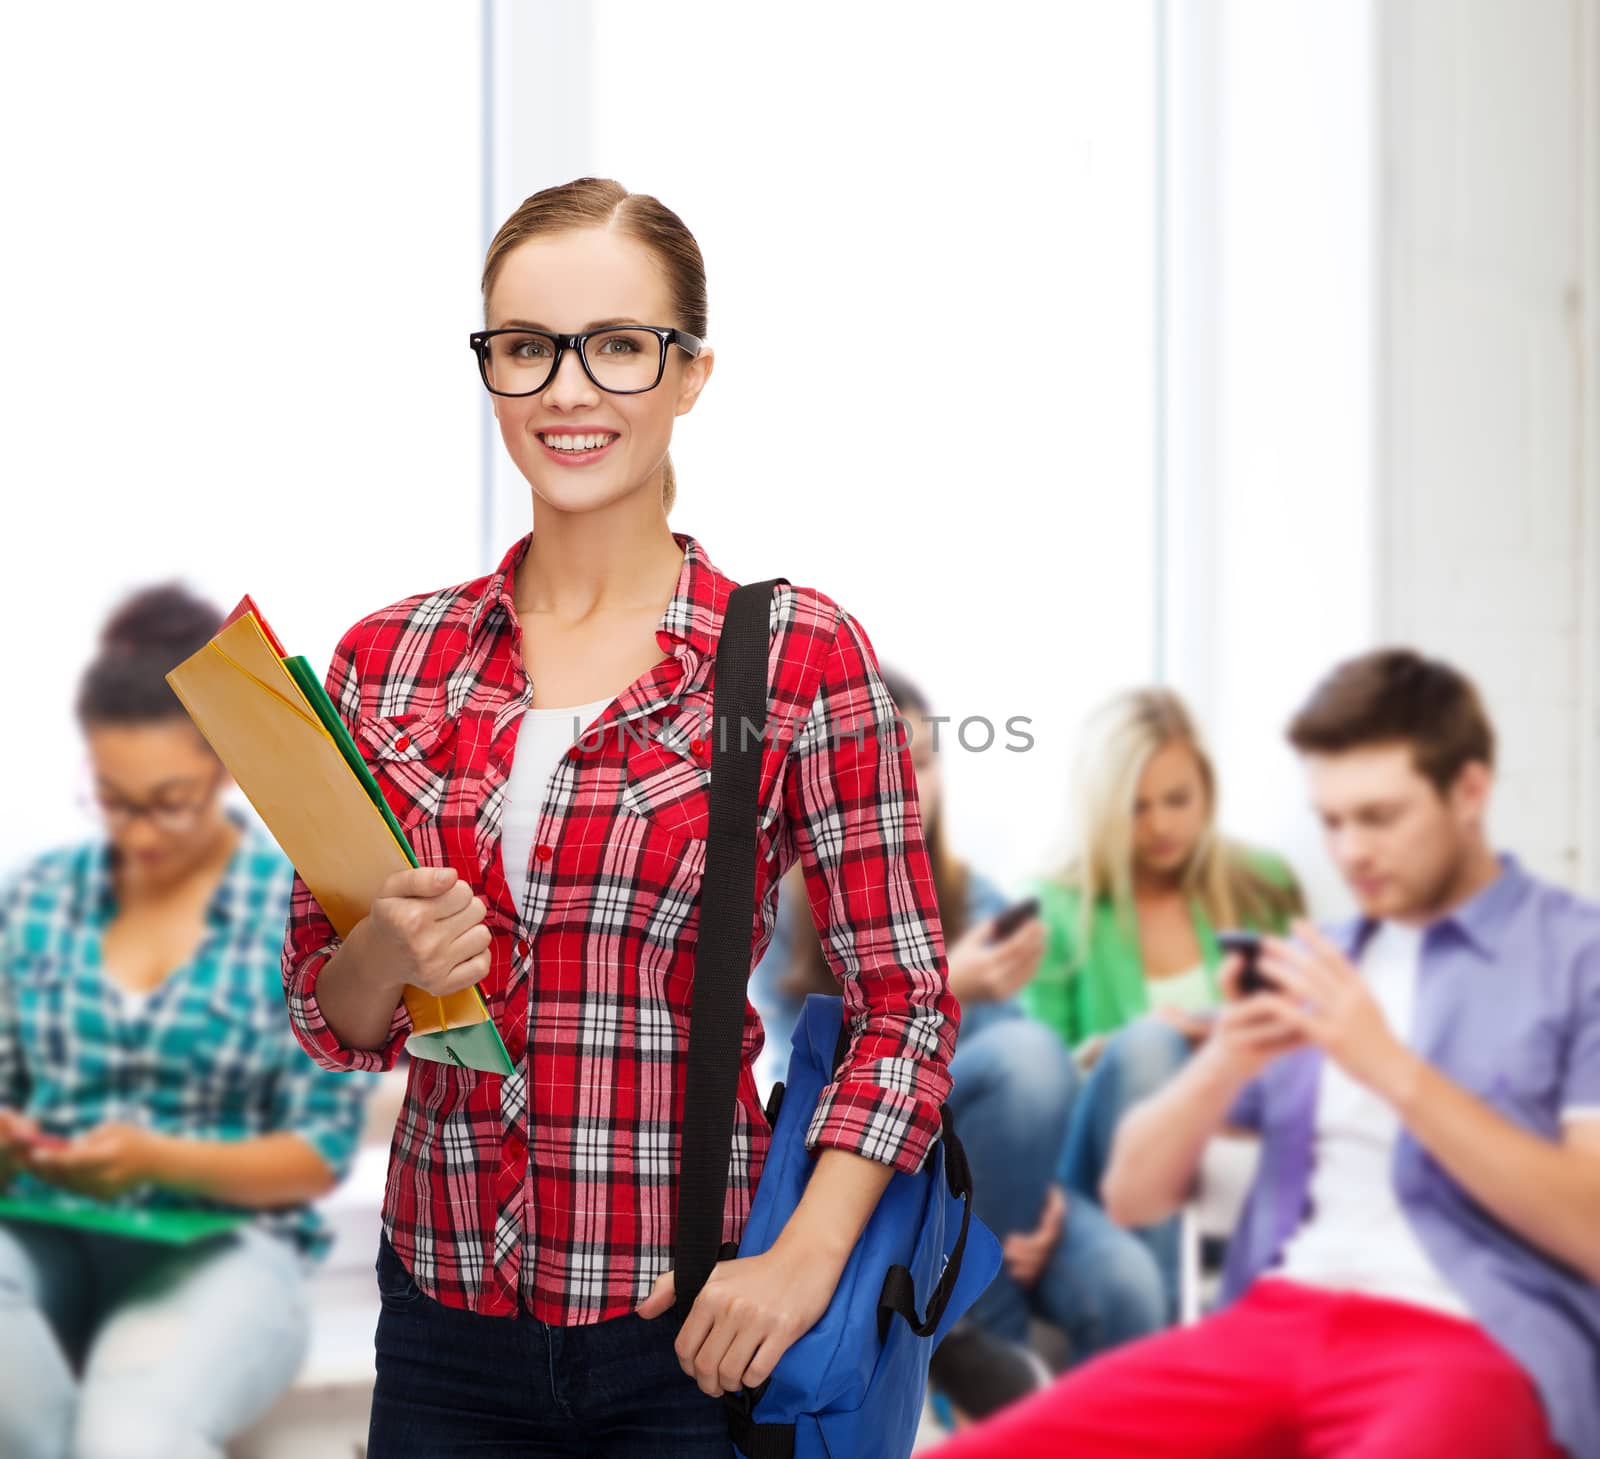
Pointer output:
543, 737
1357, 1237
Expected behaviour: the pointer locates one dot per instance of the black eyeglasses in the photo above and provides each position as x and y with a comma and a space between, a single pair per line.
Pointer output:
171, 818
621, 359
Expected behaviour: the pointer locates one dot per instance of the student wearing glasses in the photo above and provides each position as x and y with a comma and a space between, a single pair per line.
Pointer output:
144, 1065
543, 735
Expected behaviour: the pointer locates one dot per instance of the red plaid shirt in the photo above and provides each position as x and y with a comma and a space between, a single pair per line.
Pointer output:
554, 1188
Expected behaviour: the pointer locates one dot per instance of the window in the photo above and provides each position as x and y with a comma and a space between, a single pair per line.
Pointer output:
236, 325
929, 243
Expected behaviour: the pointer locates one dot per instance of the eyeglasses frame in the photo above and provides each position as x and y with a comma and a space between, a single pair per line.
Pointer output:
124, 813
690, 344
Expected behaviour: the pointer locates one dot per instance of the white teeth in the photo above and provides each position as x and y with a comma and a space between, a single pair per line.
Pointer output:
589, 442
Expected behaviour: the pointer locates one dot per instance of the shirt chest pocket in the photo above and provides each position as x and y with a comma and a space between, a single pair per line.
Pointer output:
1519, 1072
1528, 1071
412, 757
668, 778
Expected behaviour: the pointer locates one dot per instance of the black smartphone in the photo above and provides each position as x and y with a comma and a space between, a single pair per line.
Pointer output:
1013, 917
1248, 946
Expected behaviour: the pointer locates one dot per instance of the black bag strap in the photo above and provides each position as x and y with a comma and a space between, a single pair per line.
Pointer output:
756, 1441
722, 955
899, 1294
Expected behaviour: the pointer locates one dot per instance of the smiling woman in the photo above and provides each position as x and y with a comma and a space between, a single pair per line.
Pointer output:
564, 834
650, 266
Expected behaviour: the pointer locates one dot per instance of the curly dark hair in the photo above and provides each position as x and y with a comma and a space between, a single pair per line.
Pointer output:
151, 632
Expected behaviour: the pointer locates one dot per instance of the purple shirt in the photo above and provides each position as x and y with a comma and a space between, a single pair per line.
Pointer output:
1508, 1006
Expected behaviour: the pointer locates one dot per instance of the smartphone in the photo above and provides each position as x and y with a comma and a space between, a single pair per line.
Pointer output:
1248, 946
1013, 917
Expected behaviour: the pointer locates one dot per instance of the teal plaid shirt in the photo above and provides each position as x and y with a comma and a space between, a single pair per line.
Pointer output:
210, 1055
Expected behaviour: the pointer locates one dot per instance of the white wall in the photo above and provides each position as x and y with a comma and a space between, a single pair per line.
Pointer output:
1490, 392
1382, 267
1269, 369
875, 186
240, 266
1380, 372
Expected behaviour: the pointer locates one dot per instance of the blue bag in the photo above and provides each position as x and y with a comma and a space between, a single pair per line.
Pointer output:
852, 1387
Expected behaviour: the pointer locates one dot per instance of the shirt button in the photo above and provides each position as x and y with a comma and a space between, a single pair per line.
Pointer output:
522, 947
697, 747
544, 853
403, 743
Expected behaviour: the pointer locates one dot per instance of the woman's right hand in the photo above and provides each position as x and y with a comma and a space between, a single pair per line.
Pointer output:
426, 928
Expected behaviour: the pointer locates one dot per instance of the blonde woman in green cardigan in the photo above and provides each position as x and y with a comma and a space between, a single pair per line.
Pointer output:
1129, 974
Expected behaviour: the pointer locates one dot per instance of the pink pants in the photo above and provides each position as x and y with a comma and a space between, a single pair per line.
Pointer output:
1287, 1372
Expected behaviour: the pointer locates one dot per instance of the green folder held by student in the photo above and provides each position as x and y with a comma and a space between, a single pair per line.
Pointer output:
165, 1225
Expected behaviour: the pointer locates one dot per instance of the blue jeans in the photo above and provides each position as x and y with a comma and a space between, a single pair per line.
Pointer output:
1015, 1095
454, 1383
1136, 1061
118, 1349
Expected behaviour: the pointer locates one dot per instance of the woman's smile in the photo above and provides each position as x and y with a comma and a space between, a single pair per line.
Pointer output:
576, 448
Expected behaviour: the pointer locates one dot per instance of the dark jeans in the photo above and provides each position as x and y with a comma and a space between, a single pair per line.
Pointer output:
452, 1382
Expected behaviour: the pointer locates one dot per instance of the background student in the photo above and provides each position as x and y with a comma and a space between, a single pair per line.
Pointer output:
1129, 973
144, 1062
1417, 1272
1012, 1100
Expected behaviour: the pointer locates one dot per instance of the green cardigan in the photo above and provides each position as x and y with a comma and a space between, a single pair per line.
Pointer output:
1083, 989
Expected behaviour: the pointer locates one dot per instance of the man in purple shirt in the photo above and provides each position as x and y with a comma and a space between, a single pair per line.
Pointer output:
1417, 1271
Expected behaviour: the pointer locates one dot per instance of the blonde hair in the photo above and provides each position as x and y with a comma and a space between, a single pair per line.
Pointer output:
1119, 739
599, 202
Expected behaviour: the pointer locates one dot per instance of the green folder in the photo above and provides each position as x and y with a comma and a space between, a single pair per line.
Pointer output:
478, 1045
317, 696
168, 1226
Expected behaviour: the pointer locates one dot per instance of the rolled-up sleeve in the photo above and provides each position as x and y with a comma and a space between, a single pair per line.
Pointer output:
310, 941
851, 804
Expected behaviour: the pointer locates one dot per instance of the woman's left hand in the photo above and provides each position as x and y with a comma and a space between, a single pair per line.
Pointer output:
748, 1314
107, 1161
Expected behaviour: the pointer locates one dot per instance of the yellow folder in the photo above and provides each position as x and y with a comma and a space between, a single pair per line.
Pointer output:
243, 698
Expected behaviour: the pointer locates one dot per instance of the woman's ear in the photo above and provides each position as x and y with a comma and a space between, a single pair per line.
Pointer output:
693, 380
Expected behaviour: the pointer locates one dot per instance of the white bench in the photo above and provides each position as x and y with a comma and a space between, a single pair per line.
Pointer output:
1226, 1171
